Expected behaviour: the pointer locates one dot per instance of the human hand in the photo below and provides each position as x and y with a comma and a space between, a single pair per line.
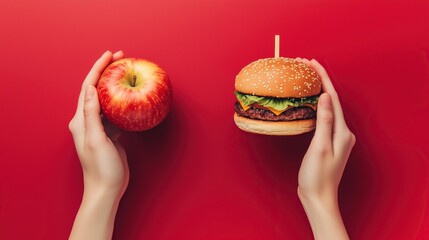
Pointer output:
103, 160
323, 164
102, 157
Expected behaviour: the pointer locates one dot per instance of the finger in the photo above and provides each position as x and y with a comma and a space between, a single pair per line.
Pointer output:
328, 87
92, 79
306, 61
324, 123
93, 126
326, 81
117, 55
98, 68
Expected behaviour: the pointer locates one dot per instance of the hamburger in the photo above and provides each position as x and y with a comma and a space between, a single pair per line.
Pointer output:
276, 96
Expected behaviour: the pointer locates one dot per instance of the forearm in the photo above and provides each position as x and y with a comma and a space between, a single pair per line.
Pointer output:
96, 216
325, 219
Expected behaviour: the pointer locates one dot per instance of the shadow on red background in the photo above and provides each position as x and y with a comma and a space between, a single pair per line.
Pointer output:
196, 176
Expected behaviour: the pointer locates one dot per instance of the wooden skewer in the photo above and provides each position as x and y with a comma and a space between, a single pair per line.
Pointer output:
277, 46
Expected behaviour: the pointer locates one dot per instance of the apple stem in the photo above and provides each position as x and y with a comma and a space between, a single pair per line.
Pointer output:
133, 82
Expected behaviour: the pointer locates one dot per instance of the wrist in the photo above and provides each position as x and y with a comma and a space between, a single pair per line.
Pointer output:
96, 215
109, 189
99, 192
327, 199
324, 215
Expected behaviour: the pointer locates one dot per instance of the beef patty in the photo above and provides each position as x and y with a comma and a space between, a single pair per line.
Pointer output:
295, 113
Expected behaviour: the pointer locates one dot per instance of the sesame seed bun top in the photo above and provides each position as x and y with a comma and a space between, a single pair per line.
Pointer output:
278, 77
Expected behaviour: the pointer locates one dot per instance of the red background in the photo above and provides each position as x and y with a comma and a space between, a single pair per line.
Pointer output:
196, 176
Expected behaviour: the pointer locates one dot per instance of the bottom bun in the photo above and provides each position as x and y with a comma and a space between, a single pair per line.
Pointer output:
284, 128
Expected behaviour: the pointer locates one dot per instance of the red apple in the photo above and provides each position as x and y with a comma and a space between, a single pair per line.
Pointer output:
135, 94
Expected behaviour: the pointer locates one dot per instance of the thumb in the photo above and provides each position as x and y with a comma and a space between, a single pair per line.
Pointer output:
324, 122
91, 112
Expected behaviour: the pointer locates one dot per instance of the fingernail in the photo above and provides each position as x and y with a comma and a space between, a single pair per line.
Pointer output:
120, 52
323, 101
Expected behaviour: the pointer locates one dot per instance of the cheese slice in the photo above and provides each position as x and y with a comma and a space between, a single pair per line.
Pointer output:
314, 107
277, 112
244, 106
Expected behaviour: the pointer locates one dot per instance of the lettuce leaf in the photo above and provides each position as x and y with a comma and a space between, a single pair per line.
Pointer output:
276, 103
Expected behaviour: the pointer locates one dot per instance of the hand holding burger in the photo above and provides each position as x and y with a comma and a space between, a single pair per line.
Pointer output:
323, 164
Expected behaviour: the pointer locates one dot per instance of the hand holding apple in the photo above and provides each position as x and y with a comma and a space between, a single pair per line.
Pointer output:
135, 94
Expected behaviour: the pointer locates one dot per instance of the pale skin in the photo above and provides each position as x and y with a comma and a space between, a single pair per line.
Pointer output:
106, 173
323, 164
104, 162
